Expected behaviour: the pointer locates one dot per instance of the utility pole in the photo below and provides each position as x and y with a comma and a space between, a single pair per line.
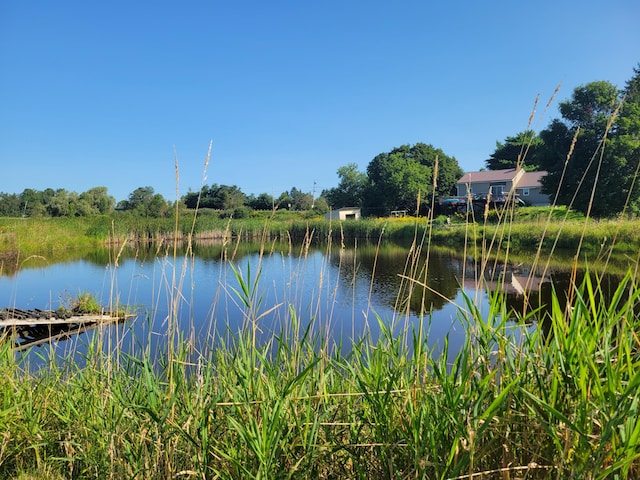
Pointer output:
313, 196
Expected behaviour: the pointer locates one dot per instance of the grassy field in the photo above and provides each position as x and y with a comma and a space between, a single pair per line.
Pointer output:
553, 398
525, 230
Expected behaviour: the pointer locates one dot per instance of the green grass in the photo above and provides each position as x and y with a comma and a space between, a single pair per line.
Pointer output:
560, 402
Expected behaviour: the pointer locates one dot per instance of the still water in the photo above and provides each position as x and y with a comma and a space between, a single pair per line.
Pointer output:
339, 292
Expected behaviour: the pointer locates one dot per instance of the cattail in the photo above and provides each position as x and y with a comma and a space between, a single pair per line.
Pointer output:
435, 174
573, 144
533, 112
553, 95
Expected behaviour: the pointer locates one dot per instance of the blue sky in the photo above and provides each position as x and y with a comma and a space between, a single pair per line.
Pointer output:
103, 93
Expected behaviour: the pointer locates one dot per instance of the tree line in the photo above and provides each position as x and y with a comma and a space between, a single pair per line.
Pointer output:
393, 181
233, 201
227, 200
591, 155
56, 203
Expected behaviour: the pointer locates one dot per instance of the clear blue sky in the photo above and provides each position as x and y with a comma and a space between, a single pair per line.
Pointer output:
100, 93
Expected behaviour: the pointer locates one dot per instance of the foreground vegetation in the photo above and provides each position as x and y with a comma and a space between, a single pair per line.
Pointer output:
558, 400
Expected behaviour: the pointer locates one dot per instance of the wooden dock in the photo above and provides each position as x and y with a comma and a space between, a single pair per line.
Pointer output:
28, 328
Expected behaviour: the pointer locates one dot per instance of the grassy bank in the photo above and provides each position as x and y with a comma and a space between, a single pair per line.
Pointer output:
556, 401
527, 230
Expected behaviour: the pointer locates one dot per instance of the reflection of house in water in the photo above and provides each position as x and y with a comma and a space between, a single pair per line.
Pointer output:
509, 282
515, 281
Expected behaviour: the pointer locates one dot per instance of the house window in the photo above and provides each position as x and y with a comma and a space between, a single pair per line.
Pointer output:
525, 192
497, 189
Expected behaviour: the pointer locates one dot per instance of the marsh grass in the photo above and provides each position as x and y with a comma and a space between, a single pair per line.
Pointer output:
61, 238
525, 396
553, 402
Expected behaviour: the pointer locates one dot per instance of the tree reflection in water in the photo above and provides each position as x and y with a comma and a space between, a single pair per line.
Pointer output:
355, 282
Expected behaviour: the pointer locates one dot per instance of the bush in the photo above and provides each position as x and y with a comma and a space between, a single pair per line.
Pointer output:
241, 212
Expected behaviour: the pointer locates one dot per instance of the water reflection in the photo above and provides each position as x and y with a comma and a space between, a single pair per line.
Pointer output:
390, 269
337, 291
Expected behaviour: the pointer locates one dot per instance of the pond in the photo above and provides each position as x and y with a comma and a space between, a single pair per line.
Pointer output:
334, 293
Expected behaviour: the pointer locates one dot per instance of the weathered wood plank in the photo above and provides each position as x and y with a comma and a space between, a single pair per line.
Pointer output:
78, 319
22, 344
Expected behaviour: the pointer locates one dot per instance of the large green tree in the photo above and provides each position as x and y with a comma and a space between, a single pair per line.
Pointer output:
145, 202
350, 191
59, 204
520, 150
599, 173
397, 179
300, 199
219, 197
264, 201
98, 200
10, 205
34, 202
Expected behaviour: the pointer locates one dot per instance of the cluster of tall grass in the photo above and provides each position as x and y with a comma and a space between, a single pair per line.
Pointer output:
46, 235
20, 238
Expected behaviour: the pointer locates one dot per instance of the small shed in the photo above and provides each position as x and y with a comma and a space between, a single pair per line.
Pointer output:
345, 213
